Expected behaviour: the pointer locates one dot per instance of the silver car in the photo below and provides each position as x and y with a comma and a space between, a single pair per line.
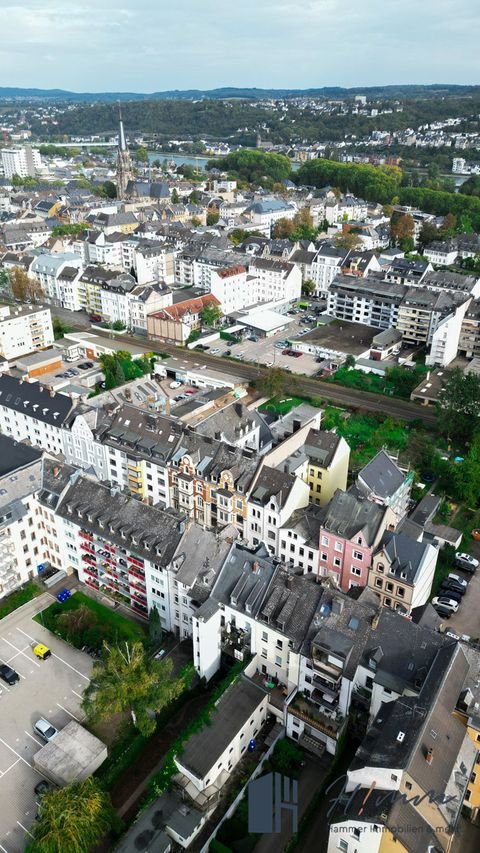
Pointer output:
45, 730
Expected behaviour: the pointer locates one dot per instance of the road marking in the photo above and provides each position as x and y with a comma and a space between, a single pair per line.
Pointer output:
4, 772
6, 663
68, 712
17, 654
17, 754
39, 742
3, 848
20, 652
25, 829
59, 658
77, 694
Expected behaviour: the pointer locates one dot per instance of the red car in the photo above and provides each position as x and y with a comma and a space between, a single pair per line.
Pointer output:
285, 352
95, 318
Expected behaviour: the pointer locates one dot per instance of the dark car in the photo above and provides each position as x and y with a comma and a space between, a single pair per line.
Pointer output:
451, 586
42, 787
8, 674
449, 592
443, 611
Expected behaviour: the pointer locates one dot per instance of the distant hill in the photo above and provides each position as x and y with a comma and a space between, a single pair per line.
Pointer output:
410, 91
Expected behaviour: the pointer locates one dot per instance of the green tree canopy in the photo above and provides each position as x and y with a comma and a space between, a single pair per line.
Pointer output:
459, 402
72, 819
127, 679
253, 165
210, 314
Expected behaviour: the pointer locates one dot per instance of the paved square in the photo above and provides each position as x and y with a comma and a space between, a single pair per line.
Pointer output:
51, 689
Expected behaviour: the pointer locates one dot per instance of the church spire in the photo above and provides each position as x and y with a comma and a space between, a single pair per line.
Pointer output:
124, 164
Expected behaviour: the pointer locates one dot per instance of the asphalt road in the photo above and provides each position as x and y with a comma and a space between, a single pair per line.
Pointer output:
295, 383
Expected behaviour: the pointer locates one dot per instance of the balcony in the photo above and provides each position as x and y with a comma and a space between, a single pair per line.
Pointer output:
92, 583
235, 641
307, 711
136, 562
136, 574
86, 546
329, 669
86, 535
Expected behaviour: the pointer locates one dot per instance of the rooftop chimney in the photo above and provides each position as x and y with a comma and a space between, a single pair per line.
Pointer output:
56, 471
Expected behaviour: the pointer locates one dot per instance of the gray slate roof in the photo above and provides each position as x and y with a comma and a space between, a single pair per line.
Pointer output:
381, 476
32, 399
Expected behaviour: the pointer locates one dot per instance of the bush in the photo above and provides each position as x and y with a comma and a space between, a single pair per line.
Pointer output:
102, 625
218, 847
286, 757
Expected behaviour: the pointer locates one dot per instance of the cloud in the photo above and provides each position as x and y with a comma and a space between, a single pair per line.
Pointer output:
152, 46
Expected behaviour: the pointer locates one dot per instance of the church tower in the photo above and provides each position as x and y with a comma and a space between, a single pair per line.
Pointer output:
124, 164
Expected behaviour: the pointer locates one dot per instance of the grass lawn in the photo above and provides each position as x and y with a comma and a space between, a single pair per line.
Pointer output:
281, 405
445, 564
110, 625
19, 597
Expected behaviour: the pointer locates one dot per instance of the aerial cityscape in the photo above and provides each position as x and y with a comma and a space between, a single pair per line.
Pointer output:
239, 435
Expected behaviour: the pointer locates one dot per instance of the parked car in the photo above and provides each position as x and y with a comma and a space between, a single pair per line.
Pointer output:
8, 674
94, 318
442, 601
174, 385
449, 592
466, 562
45, 730
42, 787
448, 586
458, 580
444, 612
214, 351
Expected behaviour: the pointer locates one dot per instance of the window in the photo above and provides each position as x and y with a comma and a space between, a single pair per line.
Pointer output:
264, 636
319, 489
325, 540
278, 660
378, 583
357, 555
342, 845
338, 546
408, 786
279, 645
400, 591
337, 562
389, 587
356, 571
380, 568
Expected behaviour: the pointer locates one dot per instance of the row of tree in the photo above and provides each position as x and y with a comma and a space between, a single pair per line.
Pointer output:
374, 183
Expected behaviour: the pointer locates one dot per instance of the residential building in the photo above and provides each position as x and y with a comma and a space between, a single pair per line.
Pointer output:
205, 764
23, 162
20, 479
441, 252
146, 299
176, 322
234, 288
402, 572
273, 498
24, 330
151, 260
278, 281
115, 299
382, 481
47, 270
28, 412
299, 538
370, 301
420, 770
351, 529
121, 546
267, 211
327, 264
326, 471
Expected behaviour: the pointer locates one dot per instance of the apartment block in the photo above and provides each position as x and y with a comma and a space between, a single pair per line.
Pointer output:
24, 330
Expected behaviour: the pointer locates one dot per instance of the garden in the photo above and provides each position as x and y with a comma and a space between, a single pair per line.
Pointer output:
16, 599
81, 621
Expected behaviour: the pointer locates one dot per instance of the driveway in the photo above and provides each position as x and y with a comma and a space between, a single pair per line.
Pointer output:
51, 689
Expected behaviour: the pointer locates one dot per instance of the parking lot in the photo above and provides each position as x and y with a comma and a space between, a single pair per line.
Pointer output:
51, 689
264, 351
466, 620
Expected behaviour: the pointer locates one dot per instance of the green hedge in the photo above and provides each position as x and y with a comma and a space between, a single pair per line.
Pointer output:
16, 599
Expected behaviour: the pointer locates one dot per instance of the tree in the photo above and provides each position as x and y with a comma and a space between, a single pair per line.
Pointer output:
273, 382
24, 288
308, 287
195, 221
5, 285
348, 240
72, 819
402, 227
283, 228
119, 375
459, 402
109, 189
175, 198
350, 361
141, 155
127, 679
210, 314
154, 626
449, 225
428, 234
213, 216
118, 326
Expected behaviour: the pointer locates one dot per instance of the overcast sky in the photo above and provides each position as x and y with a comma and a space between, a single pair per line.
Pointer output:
152, 45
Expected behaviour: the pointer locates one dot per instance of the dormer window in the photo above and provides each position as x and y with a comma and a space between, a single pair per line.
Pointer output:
380, 568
